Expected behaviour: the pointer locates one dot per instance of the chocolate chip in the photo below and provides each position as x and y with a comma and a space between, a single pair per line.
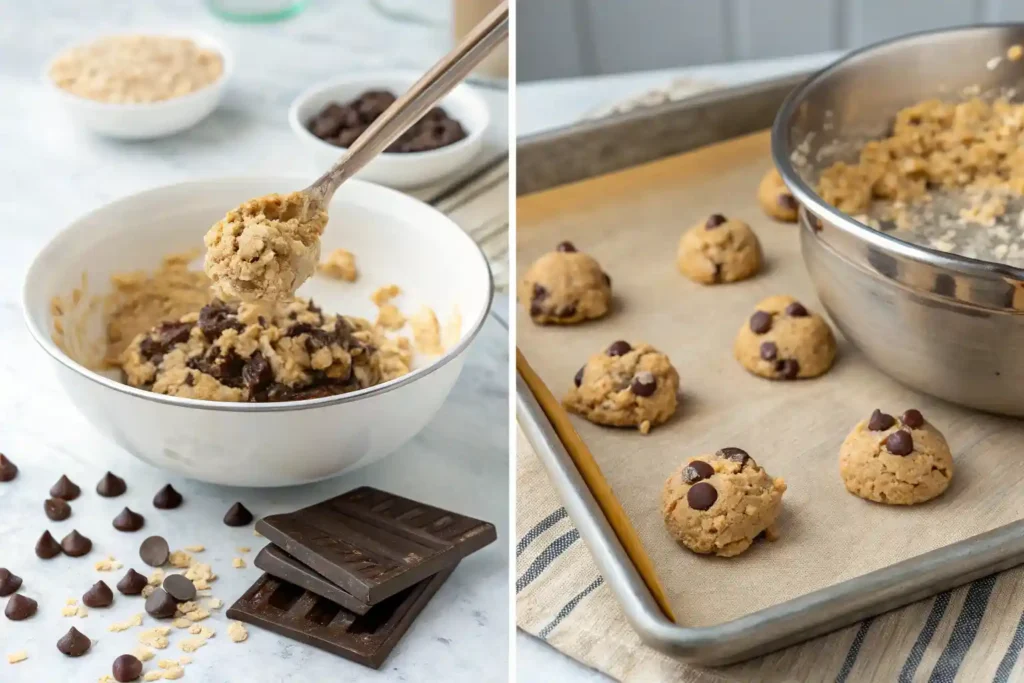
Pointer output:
132, 583
154, 551
733, 454
9, 583
74, 643
701, 496
619, 348
769, 350
237, 515
179, 588
56, 509
536, 309
760, 322
714, 220
127, 520
75, 544
167, 498
216, 317
47, 547
8, 470
126, 668
190, 380
787, 368
566, 247
787, 201
99, 595
643, 384
913, 418
539, 292
578, 379
567, 312
65, 489
257, 373
879, 421
697, 470
796, 310
607, 279
20, 608
161, 605
900, 443
111, 486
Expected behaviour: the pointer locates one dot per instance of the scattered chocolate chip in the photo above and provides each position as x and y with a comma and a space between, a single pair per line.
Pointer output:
179, 588
769, 350
643, 384
879, 421
56, 509
75, 544
47, 547
714, 220
701, 496
578, 379
257, 373
787, 201
619, 348
566, 247
99, 595
734, 454
900, 443
20, 608
154, 551
163, 339
216, 317
111, 486
9, 583
697, 470
126, 668
796, 310
167, 498
190, 380
237, 515
74, 643
127, 520
787, 368
913, 418
65, 489
8, 470
161, 605
540, 292
760, 322
132, 583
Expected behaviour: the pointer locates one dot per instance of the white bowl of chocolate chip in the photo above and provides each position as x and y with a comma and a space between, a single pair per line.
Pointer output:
99, 287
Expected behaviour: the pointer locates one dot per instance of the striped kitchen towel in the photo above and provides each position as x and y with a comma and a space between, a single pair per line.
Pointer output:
973, 633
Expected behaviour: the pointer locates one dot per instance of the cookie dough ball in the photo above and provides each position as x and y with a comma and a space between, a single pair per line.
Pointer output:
719, 250
719, 504
897, 461
625, 386
265, 248
566, 287
783, 340
776, 199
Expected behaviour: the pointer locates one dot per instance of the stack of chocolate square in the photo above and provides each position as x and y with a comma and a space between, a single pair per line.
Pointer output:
349, 575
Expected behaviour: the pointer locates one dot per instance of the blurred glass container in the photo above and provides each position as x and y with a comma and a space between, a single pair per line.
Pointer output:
255, 10
465, 15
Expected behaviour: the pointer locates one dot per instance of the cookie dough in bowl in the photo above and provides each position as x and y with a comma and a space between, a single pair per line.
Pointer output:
565, 287
784, 340
324, 398
719, 250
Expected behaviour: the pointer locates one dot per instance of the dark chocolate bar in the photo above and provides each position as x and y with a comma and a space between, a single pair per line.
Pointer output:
281, 565
373, 544
290, 611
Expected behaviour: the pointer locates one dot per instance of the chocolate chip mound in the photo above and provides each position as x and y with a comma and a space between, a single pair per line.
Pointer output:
47, 547
56, 509
9, 583
913, 419
65, 489
760, 322
900, 443
880, 421
20, 607
342, 124
714, 220
132, 583
697, 470
619, 348
99, 595
111, 486
160, 604
238, 515
75, 544
127, 520
796, 310
74, 643
701, 496
167, 498
126, 668
8, 470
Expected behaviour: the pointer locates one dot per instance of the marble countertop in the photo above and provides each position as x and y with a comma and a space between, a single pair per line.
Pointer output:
52, 172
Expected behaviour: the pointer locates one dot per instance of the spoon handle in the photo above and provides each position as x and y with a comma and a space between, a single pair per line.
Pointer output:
420, 98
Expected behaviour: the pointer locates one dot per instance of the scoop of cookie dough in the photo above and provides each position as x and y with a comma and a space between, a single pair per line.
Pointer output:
719, 250
566, 287
625, 386
897, 461
776, 199
783, 340
260, 352
265, 248
718, 504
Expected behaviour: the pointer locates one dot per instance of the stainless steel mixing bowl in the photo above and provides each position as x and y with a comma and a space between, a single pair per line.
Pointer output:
947, 325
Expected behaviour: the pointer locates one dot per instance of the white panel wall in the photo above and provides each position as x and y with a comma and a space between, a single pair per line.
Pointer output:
563, 38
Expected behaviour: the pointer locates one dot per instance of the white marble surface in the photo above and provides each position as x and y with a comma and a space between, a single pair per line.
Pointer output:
546, 105
52, 172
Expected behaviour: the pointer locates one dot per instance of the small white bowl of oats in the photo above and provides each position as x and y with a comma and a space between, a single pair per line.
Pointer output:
140, 86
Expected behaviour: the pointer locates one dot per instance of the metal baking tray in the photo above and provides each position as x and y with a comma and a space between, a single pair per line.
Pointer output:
596, 148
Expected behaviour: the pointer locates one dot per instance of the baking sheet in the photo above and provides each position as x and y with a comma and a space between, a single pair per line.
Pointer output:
631, 222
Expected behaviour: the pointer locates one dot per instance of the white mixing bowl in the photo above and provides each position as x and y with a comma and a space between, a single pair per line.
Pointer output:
396, 239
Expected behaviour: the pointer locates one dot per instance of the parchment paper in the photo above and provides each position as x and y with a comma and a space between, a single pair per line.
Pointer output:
631, 222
